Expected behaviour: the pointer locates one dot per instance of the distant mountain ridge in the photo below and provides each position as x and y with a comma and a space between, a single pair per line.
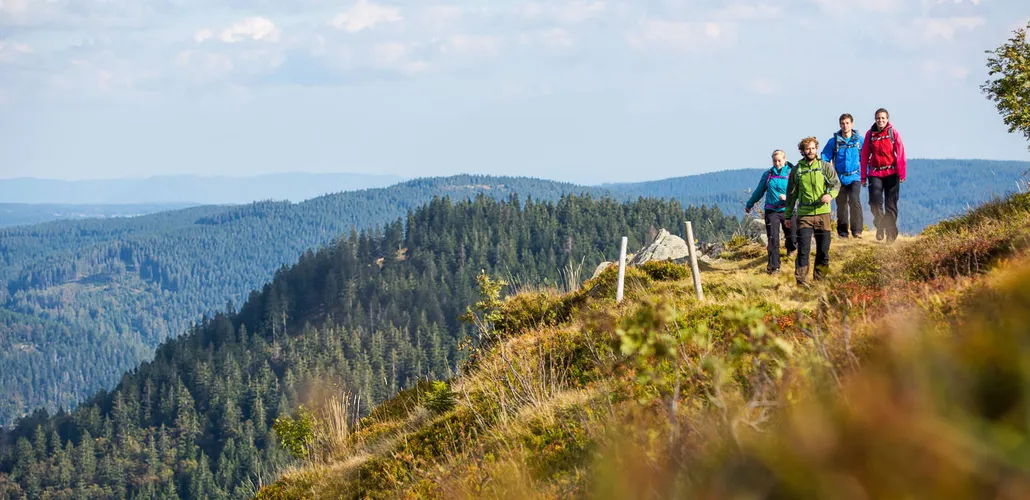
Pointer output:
189, 189
21, 214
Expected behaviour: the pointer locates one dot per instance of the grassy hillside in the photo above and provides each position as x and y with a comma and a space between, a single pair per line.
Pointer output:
903, 375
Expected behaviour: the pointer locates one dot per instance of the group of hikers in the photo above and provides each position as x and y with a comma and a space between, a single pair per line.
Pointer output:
798, 197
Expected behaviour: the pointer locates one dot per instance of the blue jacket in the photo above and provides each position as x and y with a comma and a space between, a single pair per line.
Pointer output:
772, 184
846, 161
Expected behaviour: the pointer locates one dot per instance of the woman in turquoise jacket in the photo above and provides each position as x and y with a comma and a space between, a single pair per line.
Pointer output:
773, 185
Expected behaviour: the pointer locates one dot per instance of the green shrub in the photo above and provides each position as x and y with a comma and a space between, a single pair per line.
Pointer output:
295, 434
529, 310
439, 398
665, 270
605, 284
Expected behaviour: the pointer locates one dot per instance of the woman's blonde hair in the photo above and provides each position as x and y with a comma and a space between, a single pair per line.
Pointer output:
806, 140
779, 152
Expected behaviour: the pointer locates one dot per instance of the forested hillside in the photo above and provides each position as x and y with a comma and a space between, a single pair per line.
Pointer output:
934, 189
369, 314
84, 301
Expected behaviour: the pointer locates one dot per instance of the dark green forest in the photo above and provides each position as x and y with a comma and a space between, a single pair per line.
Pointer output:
368, 314
81, 302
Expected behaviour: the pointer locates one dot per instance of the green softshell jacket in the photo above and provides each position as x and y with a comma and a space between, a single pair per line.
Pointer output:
808, 182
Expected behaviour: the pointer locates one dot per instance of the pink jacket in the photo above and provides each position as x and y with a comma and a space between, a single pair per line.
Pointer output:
880, 157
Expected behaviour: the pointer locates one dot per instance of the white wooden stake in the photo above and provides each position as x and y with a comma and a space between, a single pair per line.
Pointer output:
622, 271
694, 271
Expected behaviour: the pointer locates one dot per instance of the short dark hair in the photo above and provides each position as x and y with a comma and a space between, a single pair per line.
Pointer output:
848, 116
884, 111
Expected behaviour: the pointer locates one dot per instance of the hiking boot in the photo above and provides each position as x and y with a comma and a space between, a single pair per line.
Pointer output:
879, 234
856, 235
772, 272
801, 275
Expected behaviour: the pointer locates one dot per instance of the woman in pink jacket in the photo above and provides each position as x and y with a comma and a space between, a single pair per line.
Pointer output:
883, 170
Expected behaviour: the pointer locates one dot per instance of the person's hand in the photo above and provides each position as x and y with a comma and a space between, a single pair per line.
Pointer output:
902, 181
826, 198
787, 223
747, 210
783, 197
864, 183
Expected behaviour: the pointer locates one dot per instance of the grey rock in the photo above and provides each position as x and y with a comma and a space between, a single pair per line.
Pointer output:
600, 269
665, 246
755, 231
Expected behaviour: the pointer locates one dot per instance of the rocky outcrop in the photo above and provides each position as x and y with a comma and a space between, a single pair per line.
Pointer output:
664, 246
754, 230
667, 246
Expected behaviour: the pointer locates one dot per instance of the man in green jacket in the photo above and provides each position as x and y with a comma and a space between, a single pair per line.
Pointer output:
812, 185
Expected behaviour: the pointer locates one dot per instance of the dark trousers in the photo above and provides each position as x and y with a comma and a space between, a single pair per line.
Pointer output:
849, 209
883, 201
773, 222
819, 227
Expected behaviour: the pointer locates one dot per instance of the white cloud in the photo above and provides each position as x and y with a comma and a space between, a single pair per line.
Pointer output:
254, 28
100, 74
203, 34
11, 51
748, 12
441, 17
679, 36
574, 12
365, 15
517, 90
14, 7
838, 7
763, 86
945, 27
473, 45
554, 38
974, 2
204, 67
396, 56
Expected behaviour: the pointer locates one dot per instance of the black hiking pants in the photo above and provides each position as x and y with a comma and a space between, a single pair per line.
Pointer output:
819, 227
849, 210
774, 221
883, 201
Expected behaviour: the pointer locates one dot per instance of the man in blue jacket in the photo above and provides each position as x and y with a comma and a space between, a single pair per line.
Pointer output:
773, 184
843, 151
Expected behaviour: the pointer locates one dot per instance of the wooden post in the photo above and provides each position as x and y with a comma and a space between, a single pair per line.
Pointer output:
694, 271
622, 271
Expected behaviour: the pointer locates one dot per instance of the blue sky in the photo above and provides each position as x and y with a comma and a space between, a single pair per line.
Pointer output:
578, 90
